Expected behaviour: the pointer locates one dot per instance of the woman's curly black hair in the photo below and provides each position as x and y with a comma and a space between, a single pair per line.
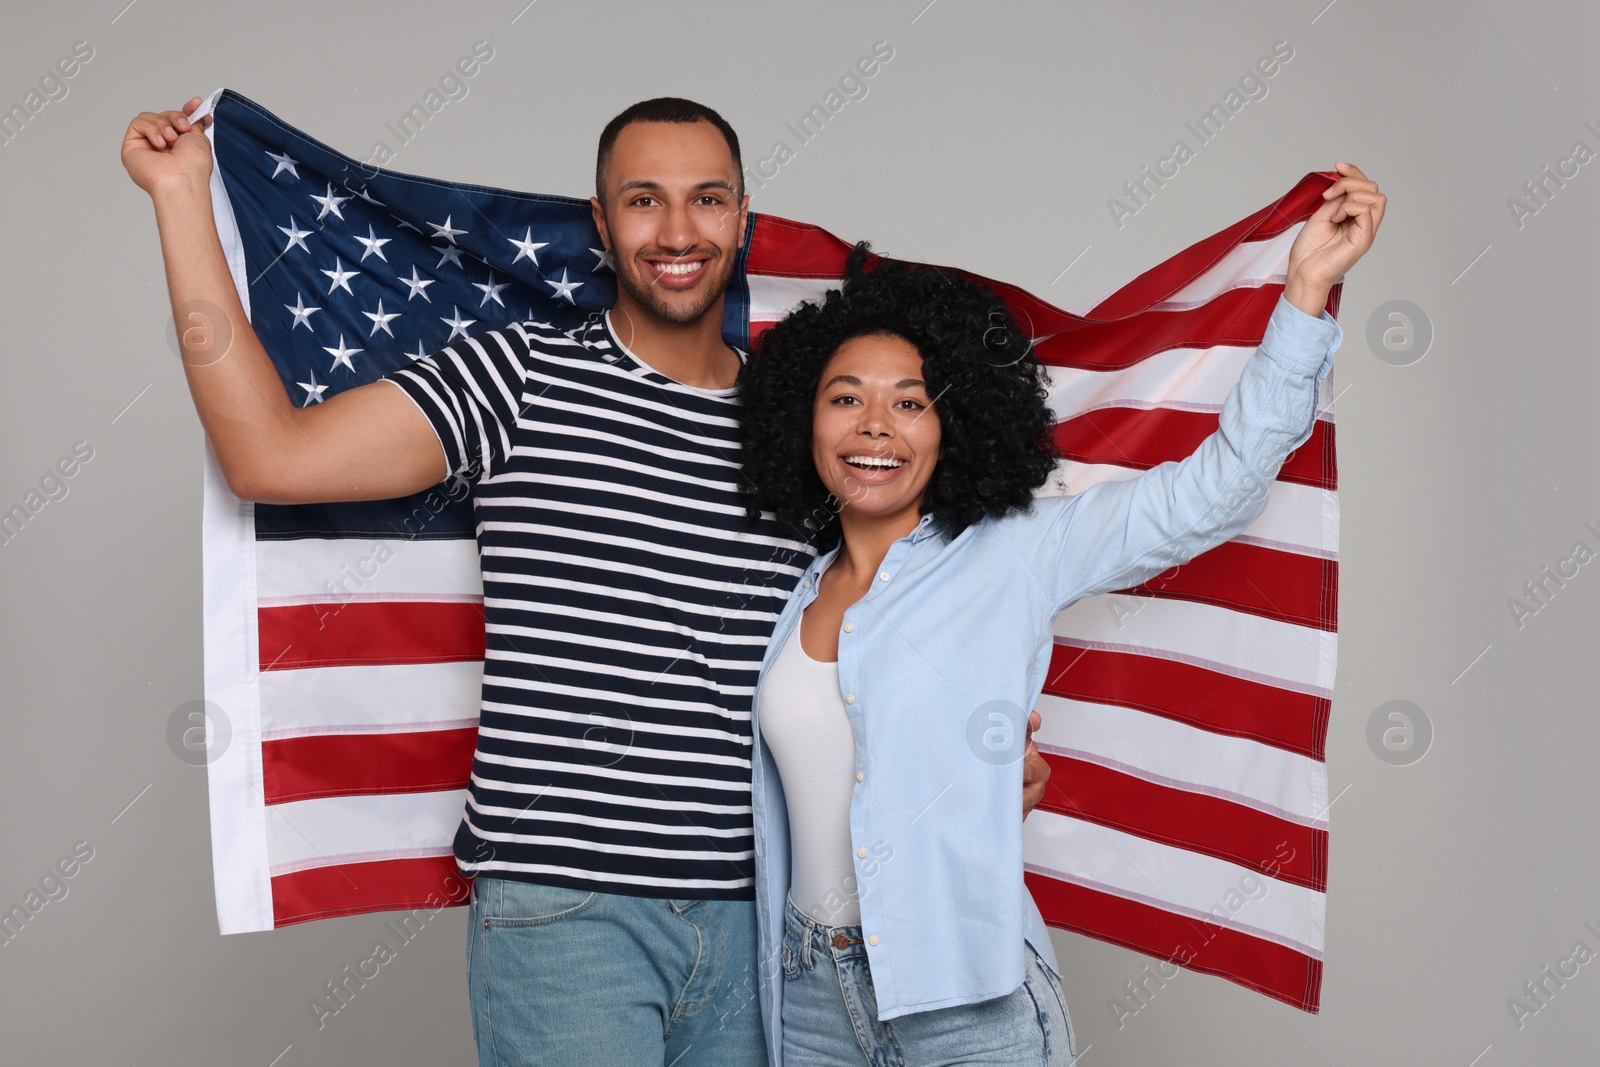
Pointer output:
988, 389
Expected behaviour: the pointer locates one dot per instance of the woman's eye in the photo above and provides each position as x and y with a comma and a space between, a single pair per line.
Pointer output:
844, 400
914, 404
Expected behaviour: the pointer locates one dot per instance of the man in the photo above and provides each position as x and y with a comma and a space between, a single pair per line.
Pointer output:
627, 600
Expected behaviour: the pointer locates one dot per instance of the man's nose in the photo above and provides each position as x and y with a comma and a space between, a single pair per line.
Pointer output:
677, 231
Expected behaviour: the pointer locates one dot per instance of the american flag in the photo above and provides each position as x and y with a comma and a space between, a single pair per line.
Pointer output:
1185, 720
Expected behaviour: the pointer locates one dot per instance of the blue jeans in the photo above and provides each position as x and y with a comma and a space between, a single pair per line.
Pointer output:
570, 977
830, 1014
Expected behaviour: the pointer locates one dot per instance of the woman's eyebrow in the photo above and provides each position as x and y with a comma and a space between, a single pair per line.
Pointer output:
904, 383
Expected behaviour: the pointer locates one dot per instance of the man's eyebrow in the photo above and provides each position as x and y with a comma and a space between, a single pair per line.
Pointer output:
654, 186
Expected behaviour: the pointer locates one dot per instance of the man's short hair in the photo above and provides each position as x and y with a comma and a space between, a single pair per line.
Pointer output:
663, 109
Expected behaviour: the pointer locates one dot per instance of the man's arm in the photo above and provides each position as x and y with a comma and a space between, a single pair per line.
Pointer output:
366, 443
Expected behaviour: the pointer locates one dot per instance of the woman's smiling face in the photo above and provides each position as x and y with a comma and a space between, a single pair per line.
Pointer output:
875, 438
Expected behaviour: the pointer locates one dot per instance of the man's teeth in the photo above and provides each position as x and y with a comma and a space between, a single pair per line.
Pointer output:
680, 268
874, 461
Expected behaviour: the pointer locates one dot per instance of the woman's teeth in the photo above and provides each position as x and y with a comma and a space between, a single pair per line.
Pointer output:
874, 461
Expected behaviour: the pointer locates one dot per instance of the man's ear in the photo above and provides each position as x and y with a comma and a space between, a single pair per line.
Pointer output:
599, 213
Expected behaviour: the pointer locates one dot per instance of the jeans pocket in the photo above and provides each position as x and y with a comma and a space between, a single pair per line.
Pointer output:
1060, 999
506, 902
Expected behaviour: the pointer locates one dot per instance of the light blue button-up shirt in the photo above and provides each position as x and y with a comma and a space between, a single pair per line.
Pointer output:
942, 658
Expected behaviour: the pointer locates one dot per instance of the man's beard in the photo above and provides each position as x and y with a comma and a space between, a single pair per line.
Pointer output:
654, 301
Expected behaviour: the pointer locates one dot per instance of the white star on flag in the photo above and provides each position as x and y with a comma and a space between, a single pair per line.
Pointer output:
374, 245
458, 325
447, 252
527, 247
296, 236
341, 355
420, 353
341, 277
445, 231
313, 390
607, 262
491, 291
284, 164
417, 284
302, 313
330, 203
380, 320
564, 288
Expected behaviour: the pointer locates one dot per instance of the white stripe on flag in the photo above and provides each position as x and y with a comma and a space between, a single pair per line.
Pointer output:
336, 570
1174, 879
773, 296
361, 829
1298, 518
1248, 265
1182, 379
345, 700
1270, 779
1237, 643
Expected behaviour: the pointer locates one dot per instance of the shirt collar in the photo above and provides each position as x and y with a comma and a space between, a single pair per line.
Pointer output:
930, 526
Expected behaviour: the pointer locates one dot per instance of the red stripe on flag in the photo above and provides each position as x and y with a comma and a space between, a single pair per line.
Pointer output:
1236, 318
780, 246
343, 635
1185, 693
337, 765
1171, 275
1141, 438
1120, 328
357, 888
1274, 584
1266, 966
1222, 828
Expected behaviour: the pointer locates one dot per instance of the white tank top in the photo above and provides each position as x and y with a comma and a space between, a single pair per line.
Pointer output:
804, 723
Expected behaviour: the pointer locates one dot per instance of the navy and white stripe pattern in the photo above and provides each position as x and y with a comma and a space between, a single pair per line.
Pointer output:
627, 604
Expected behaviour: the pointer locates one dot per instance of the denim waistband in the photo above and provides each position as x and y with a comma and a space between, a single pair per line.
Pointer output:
842, 942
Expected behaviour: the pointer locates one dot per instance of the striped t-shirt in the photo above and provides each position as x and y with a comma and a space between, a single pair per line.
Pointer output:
627, 604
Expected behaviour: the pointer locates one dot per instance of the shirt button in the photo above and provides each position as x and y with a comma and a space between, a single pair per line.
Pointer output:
849, 627
849, 698
860, 777
873, 940
861, 852
884, 577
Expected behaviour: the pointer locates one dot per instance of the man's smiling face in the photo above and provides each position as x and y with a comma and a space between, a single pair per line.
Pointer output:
673, 216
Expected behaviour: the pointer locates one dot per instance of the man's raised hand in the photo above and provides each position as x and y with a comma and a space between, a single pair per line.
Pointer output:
164, 145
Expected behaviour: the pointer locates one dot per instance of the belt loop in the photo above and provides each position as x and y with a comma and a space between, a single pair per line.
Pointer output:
807, 941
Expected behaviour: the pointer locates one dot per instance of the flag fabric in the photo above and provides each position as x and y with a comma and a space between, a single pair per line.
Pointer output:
1185, 720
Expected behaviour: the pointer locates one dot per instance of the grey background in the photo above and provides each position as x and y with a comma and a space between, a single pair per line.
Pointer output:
992, 140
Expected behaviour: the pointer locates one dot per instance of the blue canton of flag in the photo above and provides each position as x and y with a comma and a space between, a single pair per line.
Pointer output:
354, 271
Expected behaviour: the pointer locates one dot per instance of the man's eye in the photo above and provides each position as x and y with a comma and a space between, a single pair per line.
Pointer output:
642, 199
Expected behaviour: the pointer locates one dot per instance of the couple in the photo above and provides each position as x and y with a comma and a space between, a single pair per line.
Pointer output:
647, 500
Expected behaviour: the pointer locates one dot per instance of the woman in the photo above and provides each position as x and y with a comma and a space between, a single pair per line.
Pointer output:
904, 421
